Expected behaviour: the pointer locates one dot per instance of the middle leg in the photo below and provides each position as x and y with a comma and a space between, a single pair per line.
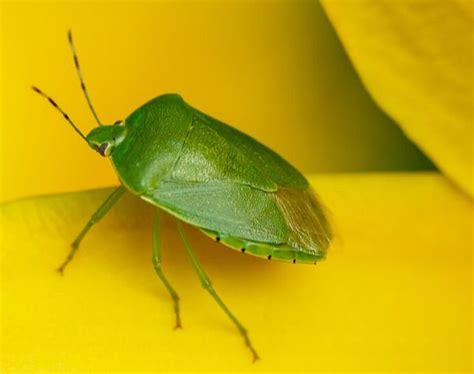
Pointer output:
159, 272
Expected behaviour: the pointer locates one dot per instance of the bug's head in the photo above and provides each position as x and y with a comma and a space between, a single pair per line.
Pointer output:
104, 139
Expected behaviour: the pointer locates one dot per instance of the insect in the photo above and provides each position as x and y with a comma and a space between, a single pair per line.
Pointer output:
209, 175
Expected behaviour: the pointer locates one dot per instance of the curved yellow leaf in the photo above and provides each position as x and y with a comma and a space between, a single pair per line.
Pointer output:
415, 58
394, 294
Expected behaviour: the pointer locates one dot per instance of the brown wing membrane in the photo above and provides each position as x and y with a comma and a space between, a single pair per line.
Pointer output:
309, 230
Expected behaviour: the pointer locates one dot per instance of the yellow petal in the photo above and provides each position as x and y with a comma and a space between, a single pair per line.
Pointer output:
394, 293
415, 58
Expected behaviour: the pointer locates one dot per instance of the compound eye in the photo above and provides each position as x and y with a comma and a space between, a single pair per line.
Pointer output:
103, 149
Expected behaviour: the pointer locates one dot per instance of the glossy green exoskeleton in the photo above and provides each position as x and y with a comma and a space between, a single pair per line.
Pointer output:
211, 176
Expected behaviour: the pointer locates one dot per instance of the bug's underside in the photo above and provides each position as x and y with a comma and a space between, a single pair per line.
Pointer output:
281, 252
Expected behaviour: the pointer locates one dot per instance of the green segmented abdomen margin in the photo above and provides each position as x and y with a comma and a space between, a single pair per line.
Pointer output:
282, 252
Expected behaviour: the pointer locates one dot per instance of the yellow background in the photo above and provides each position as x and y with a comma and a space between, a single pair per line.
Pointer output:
424, 52
396, 291
274, 69
391, 297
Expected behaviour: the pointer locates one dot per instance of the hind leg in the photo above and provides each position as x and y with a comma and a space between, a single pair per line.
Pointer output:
206, 283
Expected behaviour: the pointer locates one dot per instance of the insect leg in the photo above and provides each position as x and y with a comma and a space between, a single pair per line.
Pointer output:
159, 272
102, 211
206, 283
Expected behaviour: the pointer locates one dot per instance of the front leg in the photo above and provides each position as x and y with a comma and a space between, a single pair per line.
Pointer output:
101, 212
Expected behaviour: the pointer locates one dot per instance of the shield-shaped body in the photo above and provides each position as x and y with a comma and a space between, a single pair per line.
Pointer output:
218, 179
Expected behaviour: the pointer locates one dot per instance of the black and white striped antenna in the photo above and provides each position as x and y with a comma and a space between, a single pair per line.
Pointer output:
53, 103
81, 79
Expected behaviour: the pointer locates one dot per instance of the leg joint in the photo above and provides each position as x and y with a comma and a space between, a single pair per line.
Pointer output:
156, 261
94, 218
207, 285
157, 265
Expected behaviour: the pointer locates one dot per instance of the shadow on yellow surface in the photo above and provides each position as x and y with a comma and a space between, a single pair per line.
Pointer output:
394, 294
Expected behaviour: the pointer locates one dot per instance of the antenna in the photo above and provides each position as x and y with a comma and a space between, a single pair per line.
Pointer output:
53, 103
79, 74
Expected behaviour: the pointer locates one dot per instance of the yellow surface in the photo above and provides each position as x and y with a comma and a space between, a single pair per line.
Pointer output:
394, 294
274, 69
416, 60
396, 291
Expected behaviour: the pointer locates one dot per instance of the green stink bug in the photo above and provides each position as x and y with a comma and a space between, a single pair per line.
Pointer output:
212, 176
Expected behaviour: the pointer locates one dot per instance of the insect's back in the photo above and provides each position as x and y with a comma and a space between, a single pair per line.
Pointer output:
155, 134
221, 180
216, 151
